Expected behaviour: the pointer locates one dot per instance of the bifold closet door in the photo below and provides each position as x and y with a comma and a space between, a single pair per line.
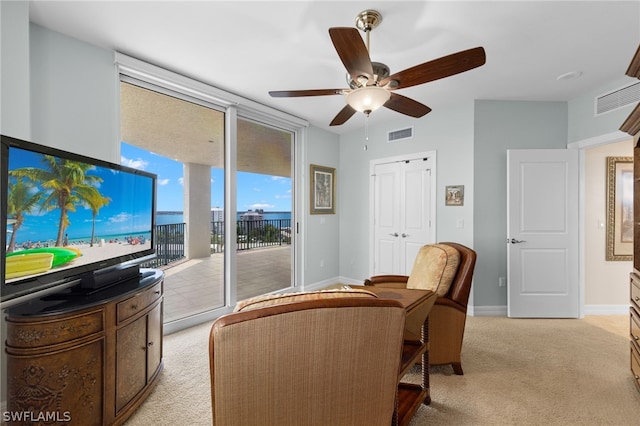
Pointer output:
402, 214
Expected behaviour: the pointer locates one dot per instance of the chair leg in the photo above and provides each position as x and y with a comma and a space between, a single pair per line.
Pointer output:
457, 368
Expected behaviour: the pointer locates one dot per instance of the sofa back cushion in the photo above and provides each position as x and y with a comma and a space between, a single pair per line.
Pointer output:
434, 268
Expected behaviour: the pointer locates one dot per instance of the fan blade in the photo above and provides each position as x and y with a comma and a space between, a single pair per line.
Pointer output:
438, 68
352, 51
406, 106
298, 93
342, 117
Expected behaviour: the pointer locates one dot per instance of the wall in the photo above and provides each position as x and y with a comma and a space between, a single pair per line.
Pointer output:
14, 70
606, 282
321, 231
583, 124
14, 105
499, 126
74, 96
446, 130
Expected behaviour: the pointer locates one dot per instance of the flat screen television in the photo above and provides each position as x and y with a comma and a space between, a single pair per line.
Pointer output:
67, 219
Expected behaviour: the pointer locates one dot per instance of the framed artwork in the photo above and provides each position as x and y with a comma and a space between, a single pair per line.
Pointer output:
323, 190
454, 195
619, 208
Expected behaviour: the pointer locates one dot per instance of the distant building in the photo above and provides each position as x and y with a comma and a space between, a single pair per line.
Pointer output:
217, 220
251, 220
252, 216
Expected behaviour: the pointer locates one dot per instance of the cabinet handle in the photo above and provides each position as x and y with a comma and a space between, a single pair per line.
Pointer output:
150, 344
636, 298
636, 338
636, 376
134, 306
157, 292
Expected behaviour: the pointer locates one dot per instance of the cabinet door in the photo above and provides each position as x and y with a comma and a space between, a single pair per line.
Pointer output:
131, 357
64, 386
154, 340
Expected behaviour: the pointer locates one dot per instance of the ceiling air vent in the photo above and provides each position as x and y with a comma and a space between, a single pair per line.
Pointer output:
398, 135
618, 99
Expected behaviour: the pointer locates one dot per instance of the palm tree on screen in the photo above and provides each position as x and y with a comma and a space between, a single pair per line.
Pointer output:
22, 198
65, 183
94, 200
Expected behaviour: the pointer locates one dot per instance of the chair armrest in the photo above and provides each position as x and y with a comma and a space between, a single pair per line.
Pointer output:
388, 281
443, 301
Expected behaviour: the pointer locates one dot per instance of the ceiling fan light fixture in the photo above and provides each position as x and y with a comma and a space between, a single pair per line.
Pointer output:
368, 99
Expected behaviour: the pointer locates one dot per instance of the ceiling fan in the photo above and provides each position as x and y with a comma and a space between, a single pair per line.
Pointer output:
370, 85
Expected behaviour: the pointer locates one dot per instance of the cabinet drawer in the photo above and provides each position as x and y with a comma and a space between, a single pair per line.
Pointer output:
635, 290
635, 365
139, 302
634, 328
34, 334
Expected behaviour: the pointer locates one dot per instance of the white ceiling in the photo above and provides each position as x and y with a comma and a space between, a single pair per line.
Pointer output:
250, 48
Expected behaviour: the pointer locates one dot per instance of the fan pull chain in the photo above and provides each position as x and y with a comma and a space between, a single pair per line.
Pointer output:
366, 130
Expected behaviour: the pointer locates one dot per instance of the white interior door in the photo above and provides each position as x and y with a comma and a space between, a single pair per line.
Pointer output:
403, 213
387, 219
542, 233
415, 200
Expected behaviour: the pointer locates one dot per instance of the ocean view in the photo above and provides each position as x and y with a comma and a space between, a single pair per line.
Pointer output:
166, 218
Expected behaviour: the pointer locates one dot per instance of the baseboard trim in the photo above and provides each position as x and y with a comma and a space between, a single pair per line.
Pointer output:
501, 311
321, 284
487, 311
606, 309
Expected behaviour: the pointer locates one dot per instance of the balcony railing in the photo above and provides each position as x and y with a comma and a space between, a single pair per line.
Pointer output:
169, 245
263, 233
251, 234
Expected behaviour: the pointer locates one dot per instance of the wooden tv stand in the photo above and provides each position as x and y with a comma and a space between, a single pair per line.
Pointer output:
85, 359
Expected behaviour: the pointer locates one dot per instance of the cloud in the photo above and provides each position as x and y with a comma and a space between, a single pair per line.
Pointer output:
261, 206
163, 182
120, 217
181, 180
139, 164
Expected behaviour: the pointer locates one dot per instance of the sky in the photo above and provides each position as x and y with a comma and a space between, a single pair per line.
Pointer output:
255, 191
129, 210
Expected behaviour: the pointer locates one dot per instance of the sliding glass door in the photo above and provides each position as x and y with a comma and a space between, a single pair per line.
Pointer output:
181, 139
264, 182
211, 258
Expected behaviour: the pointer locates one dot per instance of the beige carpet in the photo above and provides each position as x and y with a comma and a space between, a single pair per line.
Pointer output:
517, 372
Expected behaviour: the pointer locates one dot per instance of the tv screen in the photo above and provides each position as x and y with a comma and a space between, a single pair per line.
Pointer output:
64, 215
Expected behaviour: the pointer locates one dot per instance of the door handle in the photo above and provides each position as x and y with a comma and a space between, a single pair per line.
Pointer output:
514, 241
404, 235
395, 234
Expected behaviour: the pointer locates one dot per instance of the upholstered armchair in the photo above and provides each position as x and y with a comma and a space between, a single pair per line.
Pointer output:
307, 359
447, 268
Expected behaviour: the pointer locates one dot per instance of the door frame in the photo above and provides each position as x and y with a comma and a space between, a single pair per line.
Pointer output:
432, 155
583, 145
